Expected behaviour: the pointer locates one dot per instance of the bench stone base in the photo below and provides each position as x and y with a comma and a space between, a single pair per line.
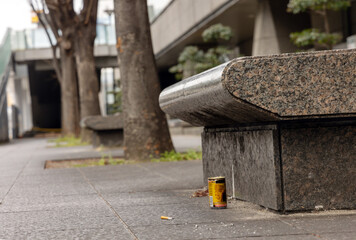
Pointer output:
107, 131
287, 166
109, 138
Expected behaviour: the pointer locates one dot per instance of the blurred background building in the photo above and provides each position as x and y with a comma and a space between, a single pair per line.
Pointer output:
30, 93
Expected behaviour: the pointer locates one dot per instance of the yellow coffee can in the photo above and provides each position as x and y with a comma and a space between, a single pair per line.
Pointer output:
217, 192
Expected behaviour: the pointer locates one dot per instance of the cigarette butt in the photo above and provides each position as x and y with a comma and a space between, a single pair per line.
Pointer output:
166, 218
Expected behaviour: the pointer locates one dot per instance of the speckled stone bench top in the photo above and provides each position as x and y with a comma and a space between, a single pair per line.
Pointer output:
103, 123
268, 88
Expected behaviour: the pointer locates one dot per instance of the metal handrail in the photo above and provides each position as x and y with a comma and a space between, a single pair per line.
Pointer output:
3, 83
5, 63
37, 38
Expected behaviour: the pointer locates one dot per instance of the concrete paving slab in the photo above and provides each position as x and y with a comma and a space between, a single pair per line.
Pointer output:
170, 170
147, 177
129, 199
109, 232
111, 173
126, 202
338, 236
50, 177
7, 180
325, 224
182, 213
3, 191
83, 217
50, 189
283, 237
23, 224
183, 171
148, 184
49, 203
239, 229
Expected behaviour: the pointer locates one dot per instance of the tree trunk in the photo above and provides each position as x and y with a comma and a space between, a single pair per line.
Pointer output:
145, 125
84, 54
87, 76
65, 68
326, 20
88, 80
69, 95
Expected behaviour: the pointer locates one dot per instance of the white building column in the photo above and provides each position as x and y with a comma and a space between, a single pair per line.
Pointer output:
265, 40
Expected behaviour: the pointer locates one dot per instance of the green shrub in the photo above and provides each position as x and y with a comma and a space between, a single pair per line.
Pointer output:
315, 37
312, 36
193, 60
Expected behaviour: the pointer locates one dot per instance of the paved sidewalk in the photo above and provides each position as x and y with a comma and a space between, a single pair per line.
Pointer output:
126, 202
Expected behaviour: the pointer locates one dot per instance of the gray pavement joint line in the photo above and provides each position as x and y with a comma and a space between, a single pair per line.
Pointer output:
179, 190
17, 177
160, 190
156, 173
10, 145
306, 231
261, 236
207, 223
67, 229
109, 205
25, 211
162, 204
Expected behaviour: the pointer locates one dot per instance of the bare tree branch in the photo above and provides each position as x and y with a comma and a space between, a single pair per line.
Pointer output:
89, 12
53, 46
51, 23
52, 5
70, 5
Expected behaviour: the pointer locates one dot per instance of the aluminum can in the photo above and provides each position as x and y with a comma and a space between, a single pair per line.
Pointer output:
217, 192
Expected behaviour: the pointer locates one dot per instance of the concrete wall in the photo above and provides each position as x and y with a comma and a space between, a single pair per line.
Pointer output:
272, 28
4, 134
181, 16
18, 92
265, 33
24, 104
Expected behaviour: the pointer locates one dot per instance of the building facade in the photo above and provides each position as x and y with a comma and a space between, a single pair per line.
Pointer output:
260, 27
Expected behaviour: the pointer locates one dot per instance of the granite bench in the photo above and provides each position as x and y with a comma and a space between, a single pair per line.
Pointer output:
281, 128
105, 131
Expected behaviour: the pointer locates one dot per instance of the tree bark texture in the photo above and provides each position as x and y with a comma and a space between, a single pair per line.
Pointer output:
88, 79
65, 71
75, 33
145, 125
69, 95
84, 46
